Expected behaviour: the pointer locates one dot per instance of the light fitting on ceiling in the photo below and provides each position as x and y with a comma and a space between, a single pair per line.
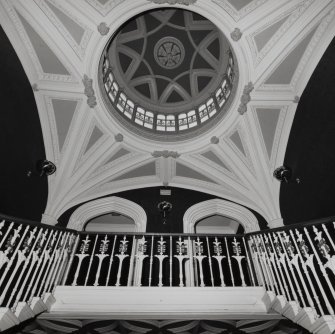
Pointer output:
45, 167
282, 173
164, 207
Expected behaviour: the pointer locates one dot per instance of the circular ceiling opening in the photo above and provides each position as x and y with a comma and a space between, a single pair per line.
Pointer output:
168, 74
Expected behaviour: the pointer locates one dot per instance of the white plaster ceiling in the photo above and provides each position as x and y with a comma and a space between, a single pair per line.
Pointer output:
58, 43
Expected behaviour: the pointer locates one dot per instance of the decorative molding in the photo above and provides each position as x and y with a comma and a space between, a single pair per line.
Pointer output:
214, 140
118, 138
245, 98
235, 14
79, 49
13, 14
89, 91
174, 2
165, 154
34, 87
103, 28
236, 34
104, 9
105, 205
219, 206
296, 99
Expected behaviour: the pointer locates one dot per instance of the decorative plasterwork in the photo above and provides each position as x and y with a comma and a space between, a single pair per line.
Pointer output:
103, 29
14, 16
102, 206
89, 91
220, 207
277, 131
236, 34
235, 14
79, 48
104, 9
245, 98
295, 12
118, 138
165, 154
174, 2
214, 140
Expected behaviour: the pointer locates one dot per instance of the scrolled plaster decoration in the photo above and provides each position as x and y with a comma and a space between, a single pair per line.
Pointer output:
105, 205
221, 207
89, 91
236, 34
296, 99
103, 29
174, 2
245, 98
34, 87
215, 140
118, 138
165, 154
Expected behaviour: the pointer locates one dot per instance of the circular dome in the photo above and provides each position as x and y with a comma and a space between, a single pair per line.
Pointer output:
167, 74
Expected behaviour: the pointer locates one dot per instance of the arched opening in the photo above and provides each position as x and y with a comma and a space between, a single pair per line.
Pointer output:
218, 224
111, 222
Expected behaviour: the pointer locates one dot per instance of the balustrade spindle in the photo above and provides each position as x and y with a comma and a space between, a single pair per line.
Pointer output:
64, 261
38, 272
103, 249
34, 260
328, 235
249, 263
218, 257
11, 244
123, 249
310, 263
131, 263
27, 261
273, 264
229, 263
85, 244
91, 260
170, 261
6, 234
69, 264
182, 254
140, 256
273, 281
278, 264
266, 269
210, 262
285, 246
49, 262
190, 255
151, 260
161, 256
111, 258
307, 275
56, 258
198, 255
322, 248
238, 257
256, 260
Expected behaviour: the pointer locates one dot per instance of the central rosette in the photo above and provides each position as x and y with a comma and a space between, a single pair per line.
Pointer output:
169, 52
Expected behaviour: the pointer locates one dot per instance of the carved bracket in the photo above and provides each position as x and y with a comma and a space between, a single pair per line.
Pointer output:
89, 91
245, 98
165, 154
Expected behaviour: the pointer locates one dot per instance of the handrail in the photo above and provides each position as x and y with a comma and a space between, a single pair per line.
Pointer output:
32, 222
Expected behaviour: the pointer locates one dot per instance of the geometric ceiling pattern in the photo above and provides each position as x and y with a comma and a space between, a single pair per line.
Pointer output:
276, 326
58, 43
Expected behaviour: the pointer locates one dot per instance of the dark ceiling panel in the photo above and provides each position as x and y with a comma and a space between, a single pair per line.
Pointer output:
310, 152
22, 194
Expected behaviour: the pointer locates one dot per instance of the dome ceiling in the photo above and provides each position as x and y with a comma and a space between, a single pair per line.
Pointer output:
172, 69
277, 46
